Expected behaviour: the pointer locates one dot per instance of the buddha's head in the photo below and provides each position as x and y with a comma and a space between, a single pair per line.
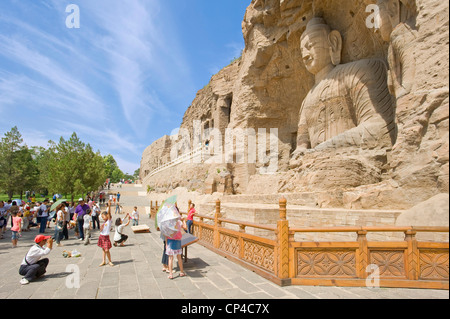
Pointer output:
389, 17
321, 47
394, 12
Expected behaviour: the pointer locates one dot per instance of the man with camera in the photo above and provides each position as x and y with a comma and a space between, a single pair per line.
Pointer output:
33, 266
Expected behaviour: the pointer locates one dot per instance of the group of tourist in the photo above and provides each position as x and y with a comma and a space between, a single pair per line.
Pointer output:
82, 218
67, 215
12, 210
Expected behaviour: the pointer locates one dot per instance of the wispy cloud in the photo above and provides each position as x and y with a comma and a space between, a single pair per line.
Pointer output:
121, 81
110, 140
140, 56
33, 137
47, 68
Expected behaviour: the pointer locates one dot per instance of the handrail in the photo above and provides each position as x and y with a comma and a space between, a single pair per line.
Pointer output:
335, 229
433, 229
287, 261
246, 224
204, 216
369, 229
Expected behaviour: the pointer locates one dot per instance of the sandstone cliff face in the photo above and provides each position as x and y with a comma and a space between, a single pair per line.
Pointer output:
155, 155
265, 88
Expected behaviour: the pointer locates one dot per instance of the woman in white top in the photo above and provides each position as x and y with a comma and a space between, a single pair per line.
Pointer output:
59, 224
103, 240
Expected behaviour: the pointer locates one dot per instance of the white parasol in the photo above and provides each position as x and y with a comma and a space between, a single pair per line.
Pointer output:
169, 220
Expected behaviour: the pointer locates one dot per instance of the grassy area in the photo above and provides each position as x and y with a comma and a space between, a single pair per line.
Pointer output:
5, 198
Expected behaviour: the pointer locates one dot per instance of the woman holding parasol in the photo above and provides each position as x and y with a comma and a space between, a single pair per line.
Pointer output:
170, 223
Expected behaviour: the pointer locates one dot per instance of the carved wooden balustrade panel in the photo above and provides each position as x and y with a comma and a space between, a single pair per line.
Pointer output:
391, 263
407, 263
260, 255
433, 264
333, 263
229, 244
196, 230
207, 235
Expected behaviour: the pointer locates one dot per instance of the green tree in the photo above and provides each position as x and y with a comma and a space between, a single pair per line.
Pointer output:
112, 170
44, 158
116, 175
71, 167
94, 172
137, 173
110, 165
27, 170
18, 169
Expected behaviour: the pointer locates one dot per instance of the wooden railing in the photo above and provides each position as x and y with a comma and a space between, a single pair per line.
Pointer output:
409, 263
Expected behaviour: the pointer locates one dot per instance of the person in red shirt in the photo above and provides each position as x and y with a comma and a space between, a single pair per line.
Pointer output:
190, 218
17, 228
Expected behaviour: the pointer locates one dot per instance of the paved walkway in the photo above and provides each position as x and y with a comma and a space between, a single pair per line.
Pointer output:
138, 273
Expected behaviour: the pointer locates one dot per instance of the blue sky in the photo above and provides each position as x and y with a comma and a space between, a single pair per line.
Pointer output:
120, 81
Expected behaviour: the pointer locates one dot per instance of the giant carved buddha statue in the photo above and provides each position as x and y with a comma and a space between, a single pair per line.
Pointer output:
349, 104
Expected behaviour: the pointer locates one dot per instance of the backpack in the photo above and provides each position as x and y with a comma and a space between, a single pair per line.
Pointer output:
40, 212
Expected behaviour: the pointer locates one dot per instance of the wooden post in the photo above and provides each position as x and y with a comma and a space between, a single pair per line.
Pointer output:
151, 209
412, 255
283, 203
283, 245
363, 254
217, 224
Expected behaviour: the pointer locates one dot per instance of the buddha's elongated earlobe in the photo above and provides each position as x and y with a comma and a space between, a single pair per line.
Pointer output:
335, 41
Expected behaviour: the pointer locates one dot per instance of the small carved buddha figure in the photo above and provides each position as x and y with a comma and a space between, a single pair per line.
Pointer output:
397, 27
350, 104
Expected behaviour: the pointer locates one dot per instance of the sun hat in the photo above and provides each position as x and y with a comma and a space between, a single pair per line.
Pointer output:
40, 238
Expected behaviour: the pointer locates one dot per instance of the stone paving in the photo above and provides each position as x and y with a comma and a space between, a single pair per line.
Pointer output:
137, 273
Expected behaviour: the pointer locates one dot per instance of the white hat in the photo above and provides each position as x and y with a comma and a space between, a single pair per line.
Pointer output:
81, 200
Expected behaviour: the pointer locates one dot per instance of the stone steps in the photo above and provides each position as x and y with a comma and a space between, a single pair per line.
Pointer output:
132, 195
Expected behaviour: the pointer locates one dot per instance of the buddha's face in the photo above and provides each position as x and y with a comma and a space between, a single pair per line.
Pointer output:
315, 50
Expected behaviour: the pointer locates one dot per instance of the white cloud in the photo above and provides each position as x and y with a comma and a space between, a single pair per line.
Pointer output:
111, 81
142, 53
107, 139
33, 137
84, 98
128, 27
